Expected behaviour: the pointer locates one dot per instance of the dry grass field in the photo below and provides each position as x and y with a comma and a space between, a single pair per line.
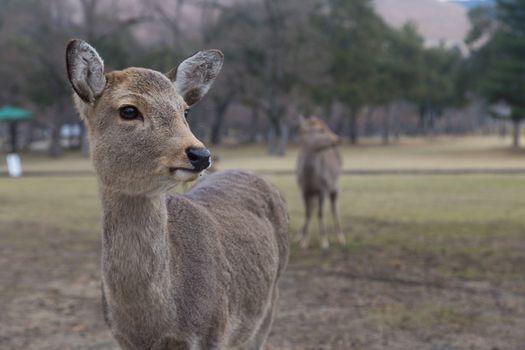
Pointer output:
476, 152
432, 262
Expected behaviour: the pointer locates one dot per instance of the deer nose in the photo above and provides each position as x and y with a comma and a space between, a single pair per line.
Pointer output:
199, 158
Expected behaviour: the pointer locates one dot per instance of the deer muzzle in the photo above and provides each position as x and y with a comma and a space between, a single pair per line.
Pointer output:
200, 158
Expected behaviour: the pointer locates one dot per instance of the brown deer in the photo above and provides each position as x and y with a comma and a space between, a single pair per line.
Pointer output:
211, 169
318, 169
192, 271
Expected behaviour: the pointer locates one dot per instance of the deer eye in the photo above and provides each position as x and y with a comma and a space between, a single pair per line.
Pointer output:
186, 111
130, 113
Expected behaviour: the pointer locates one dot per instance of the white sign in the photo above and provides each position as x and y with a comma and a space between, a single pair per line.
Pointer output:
14, 166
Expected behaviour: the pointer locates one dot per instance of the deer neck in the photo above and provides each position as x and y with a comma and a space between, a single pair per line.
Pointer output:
136, 251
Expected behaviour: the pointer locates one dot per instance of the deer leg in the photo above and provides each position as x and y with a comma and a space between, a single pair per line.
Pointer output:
308, 206
322, 233
258, 341
335, 213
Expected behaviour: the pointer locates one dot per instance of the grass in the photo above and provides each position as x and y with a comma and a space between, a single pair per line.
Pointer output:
431, 317
467, 226
475, 152
452, 222
425, 231
46, 204
464, 226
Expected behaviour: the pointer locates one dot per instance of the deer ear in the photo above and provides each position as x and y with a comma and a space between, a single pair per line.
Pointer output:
195, 75
85, 70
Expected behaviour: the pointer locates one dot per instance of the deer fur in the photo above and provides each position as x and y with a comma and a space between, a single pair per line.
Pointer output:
318, 168
192, 271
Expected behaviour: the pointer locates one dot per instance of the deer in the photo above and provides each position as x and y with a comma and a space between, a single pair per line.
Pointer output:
210, 170
318, 169
198, 270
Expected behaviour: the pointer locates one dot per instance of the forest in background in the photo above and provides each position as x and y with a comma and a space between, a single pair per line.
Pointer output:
334, 58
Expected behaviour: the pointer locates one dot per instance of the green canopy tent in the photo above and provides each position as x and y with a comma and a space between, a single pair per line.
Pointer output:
13, 115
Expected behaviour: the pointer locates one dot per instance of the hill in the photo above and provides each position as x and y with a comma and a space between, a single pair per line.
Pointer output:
436, 21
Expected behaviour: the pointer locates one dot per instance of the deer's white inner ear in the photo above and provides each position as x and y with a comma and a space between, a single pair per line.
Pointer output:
85, 70
195, 75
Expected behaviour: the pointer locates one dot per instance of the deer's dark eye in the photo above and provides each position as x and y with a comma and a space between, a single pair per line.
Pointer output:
130, 113
186, 111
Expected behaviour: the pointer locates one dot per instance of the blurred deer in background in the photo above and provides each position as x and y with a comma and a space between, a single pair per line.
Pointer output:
318, 169
192, 271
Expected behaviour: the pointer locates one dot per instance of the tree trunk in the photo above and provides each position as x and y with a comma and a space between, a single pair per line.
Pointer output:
28, 137
396, 120
216, 128
283, 139
368, 129
216, 136
218, 121
270, 141
13, 136
422, 123
448, 124
277, 137
254, 125
432, 123
516, 134
353, 128
55, 149
386, 125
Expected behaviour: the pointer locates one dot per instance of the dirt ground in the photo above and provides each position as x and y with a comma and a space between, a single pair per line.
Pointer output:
328, 300
433, 263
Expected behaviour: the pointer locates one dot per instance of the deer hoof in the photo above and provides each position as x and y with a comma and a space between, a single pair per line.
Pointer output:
342, 239
325, 244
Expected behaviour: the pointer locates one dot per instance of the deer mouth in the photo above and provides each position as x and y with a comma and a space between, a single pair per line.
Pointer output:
188, 170
185, 174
